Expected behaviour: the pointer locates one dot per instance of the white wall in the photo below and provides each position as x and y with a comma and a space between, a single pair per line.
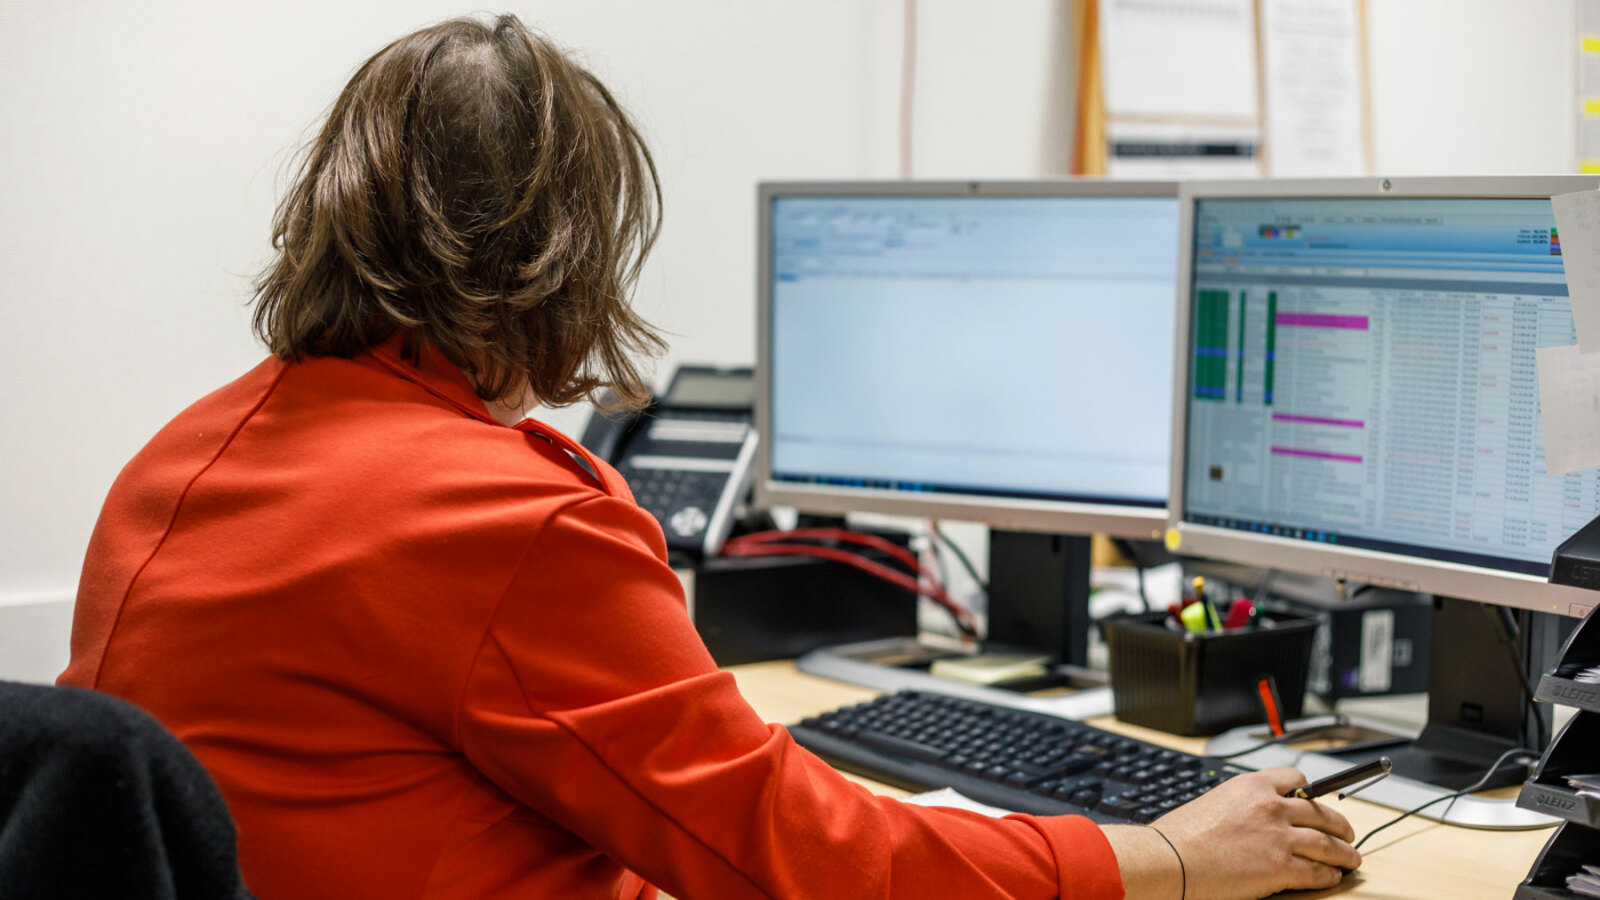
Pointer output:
1473, 87
142, 145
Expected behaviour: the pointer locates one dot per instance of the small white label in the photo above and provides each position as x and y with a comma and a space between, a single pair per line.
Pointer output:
1402, 652
1377, 650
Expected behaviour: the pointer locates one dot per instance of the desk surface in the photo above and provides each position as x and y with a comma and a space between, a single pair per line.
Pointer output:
1416, 858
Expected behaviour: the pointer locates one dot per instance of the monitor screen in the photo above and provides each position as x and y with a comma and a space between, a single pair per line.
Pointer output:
1008, 356
1360, 379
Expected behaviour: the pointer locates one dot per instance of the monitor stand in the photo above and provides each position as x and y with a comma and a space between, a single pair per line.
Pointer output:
1477, 707
1039, 595
1038, 603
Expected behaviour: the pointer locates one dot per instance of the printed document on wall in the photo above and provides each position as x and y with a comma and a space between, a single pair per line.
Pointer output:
1313, 76
1191, 57
1180, 88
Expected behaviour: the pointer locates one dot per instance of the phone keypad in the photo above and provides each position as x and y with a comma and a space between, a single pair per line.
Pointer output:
681, 501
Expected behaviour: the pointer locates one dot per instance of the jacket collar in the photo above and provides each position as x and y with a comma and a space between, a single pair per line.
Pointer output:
434, 371
436, 374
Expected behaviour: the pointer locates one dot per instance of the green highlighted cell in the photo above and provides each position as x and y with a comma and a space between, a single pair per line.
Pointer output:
1272, 347
1211, 345
1238, 386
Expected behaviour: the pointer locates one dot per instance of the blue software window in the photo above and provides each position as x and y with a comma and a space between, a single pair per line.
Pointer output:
1363, 372
1015, 346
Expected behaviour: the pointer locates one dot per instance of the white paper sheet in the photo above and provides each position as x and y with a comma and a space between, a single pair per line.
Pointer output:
1179, 79
1179, 57
1569, 408
1312, 74
1578, 223
953, 798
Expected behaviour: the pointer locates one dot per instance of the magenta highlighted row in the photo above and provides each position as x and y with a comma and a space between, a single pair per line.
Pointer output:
1320, 320
1318, 420
1315, 454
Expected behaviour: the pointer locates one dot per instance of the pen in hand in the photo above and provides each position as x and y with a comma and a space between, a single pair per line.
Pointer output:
1369, 772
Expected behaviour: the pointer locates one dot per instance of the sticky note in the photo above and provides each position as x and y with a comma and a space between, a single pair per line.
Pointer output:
1578, 223
1569, 408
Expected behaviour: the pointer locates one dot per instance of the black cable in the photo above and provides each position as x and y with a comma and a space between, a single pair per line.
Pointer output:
1262, 585
961, 557
1451, 797
1509, 635
938, 561
1139, 571
1339, 721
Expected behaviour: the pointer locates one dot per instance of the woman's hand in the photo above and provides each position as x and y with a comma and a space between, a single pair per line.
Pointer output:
1242, 839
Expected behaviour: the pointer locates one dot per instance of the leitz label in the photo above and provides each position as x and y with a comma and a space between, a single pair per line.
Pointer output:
1555, 801
1572, 692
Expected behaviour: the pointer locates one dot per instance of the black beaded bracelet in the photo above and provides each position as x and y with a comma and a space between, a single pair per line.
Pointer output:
1182, 872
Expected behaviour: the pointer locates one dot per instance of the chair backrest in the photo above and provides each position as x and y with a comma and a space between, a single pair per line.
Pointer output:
97, 799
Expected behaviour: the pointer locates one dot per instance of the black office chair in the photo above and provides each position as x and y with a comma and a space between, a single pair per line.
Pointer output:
98, 800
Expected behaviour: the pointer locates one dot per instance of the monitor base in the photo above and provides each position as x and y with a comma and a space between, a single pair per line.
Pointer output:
896, 664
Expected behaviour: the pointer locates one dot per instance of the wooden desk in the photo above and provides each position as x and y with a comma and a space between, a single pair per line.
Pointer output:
1414, 859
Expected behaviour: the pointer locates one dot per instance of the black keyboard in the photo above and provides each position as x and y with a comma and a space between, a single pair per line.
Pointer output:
1010, 758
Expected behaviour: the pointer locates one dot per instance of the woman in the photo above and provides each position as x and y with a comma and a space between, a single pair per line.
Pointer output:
428, 648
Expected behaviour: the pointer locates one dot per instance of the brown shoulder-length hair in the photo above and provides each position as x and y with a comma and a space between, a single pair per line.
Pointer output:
475, 187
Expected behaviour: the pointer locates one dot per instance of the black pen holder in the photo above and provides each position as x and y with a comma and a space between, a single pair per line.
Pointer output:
1201, 684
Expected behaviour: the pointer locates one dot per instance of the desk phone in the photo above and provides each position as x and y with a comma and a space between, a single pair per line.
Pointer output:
686, 456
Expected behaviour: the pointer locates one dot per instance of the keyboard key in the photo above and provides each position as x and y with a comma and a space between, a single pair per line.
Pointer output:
1118, 805
901, 746
1085, 798
1020, 780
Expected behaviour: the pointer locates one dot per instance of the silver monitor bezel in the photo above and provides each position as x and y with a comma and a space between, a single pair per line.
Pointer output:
1356, 565
998, 512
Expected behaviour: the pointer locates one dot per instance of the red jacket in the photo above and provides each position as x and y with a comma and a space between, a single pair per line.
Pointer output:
427, 655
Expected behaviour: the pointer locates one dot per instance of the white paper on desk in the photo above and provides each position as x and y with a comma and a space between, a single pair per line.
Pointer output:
1569, 408
1578, 223
1590, 781
1585, 882
1084, 704
953, 798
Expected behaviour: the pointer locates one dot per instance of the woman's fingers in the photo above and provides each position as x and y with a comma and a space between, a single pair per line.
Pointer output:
1311, 814
1322, 847
1306, 875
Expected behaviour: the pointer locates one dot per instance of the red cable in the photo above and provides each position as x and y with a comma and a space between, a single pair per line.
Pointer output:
834, 534
844, 535
766, 546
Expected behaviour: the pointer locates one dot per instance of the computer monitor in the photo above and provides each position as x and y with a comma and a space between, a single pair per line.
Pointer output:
1360, 400
990, 352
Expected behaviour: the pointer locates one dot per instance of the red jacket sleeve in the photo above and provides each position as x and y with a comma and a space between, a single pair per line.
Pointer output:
594, 702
